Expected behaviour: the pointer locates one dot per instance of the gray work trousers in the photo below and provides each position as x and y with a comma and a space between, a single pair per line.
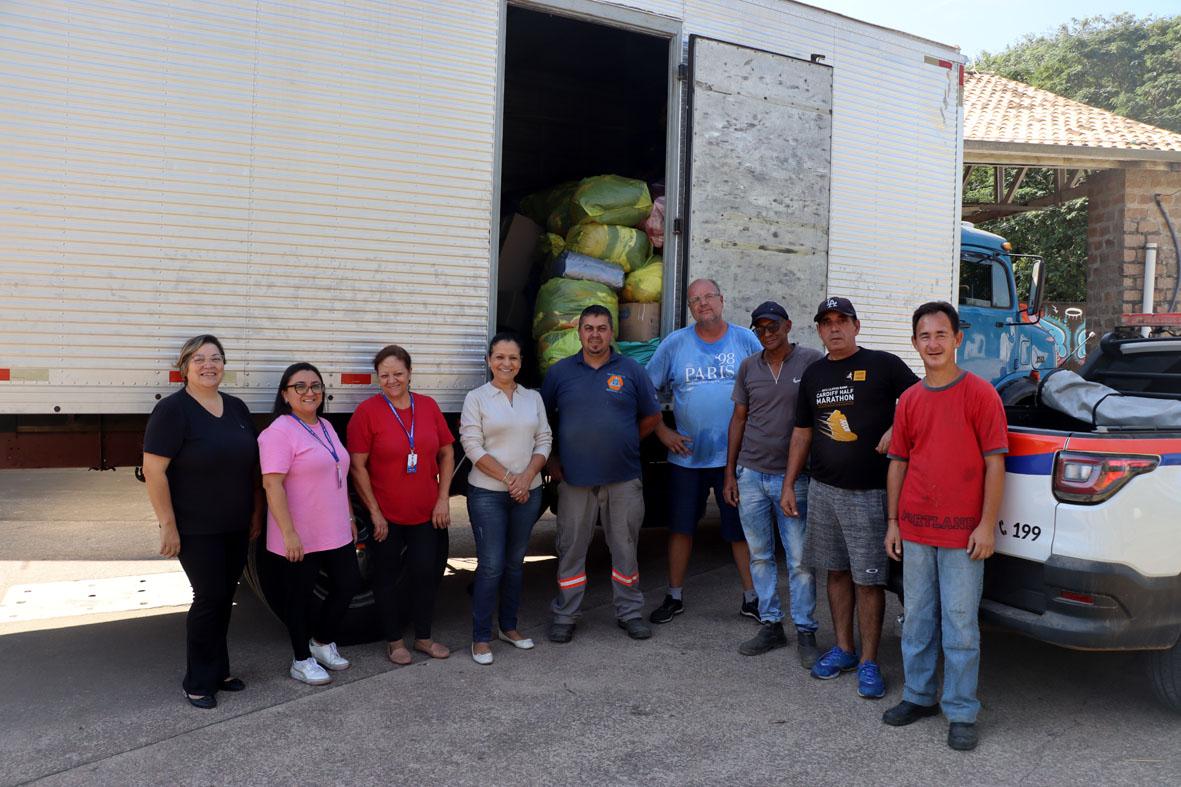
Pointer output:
579, 508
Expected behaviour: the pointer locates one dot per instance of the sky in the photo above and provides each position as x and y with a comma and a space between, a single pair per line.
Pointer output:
990, 26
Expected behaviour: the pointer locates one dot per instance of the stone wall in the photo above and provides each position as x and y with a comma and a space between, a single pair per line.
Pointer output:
1121, 218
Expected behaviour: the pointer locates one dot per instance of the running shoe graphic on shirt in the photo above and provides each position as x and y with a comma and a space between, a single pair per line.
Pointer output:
836, 426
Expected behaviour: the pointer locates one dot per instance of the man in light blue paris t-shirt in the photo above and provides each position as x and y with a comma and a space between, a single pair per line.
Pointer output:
698, 364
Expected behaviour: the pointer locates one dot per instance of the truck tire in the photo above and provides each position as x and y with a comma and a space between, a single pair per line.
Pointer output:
1020, 392
264, 575
1164, 670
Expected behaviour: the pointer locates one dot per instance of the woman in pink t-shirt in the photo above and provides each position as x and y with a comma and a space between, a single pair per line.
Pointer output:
309, 522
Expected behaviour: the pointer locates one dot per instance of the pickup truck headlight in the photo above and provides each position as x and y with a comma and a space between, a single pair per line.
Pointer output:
1089, 478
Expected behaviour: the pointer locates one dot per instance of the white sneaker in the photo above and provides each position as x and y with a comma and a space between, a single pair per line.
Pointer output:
328, 655
308, 671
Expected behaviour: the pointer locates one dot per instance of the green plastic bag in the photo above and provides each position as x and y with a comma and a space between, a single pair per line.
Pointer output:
540, 204
641, 352
556, 345
645, 284
560, 301
611, 199
627, 247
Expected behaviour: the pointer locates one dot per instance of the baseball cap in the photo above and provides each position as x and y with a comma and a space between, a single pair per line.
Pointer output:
768, 310
839, 305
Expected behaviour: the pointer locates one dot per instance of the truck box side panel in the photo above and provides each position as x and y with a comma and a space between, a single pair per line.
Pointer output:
307, 181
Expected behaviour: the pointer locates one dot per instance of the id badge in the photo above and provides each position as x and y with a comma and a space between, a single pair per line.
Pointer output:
339, 478
411, 462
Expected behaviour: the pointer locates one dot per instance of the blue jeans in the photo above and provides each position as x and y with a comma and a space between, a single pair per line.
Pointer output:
758, 506
502, 528
941, 587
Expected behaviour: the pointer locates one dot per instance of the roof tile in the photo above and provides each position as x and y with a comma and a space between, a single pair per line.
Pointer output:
997, 109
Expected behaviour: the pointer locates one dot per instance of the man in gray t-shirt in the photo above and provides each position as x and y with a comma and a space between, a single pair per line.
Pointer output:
764, 395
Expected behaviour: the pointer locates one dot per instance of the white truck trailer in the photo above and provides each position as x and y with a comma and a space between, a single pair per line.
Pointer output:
313, 180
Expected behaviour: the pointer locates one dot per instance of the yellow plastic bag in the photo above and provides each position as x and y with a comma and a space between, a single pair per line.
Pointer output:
610, 199
644, 285
551, 245
556, 345
560, 301
627, 247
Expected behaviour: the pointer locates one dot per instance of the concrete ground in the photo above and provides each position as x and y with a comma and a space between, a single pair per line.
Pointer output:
95, 698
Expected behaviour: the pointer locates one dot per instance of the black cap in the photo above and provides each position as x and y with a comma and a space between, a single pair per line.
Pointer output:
839, 305
768, 310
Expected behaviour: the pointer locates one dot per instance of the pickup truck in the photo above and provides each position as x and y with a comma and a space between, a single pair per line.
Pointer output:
1089, 533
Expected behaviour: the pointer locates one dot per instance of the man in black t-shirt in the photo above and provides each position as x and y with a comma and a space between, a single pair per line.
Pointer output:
844, 415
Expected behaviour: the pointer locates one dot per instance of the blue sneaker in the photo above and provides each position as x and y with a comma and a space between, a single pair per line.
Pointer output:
869, 681
833, 663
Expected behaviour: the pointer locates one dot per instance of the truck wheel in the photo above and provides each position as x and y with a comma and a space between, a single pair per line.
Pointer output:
264, 575
1164, 669
1020, 392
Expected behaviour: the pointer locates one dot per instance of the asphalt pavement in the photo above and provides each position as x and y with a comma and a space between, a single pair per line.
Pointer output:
95, 698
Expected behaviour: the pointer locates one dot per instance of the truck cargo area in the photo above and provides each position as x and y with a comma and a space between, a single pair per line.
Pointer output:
579, 99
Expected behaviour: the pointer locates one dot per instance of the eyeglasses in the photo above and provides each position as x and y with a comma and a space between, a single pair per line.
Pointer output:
693, 302
761, 329
200, 359
302, 388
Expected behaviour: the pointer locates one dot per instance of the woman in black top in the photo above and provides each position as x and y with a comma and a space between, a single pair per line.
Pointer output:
201, 466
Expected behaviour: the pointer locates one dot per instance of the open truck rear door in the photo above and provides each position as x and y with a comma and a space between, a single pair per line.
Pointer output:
758, 161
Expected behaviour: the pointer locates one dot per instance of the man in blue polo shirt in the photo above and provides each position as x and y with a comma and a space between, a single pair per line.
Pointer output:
601, 404
698, 364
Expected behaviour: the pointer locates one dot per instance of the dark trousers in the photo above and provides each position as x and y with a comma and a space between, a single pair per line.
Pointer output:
213, 564
344, 576
421, 544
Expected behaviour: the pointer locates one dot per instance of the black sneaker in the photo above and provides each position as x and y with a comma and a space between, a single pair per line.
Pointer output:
749, 608
560, 632
635, 628
665, 612
908, 713
961, 736
806, 644
770, 636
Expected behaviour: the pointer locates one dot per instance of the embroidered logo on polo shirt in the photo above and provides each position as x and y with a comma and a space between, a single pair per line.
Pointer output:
615, 382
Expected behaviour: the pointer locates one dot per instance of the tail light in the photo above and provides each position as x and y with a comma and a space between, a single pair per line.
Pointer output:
1081, 477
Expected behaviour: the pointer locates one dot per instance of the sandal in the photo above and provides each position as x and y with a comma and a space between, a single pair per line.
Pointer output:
432, 649
397, 653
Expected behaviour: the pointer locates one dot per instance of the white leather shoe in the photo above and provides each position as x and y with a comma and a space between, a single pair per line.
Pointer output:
523, 644
483, 659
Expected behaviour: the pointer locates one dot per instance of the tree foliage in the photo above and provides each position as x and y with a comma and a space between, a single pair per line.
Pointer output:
1059, 235
1128, 65
1124, 64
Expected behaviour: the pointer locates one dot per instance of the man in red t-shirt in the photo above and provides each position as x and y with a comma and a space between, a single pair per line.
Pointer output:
947, 473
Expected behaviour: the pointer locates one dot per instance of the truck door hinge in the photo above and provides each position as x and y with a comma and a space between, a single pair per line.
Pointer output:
682, 72
678, 226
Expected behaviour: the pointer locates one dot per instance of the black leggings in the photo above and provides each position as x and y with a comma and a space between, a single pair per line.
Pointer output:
340, 566
422, 546
213, 564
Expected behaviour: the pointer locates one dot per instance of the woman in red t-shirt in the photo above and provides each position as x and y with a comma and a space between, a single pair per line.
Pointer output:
402, 462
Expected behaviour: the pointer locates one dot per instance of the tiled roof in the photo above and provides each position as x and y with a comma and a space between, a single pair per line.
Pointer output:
997, 109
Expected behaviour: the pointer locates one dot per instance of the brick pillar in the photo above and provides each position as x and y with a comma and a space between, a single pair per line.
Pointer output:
1121, 218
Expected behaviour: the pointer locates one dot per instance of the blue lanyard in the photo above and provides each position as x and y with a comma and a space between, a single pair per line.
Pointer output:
326, 442
409, 432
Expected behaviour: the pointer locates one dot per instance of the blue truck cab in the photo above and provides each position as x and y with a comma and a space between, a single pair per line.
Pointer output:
1003, 341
